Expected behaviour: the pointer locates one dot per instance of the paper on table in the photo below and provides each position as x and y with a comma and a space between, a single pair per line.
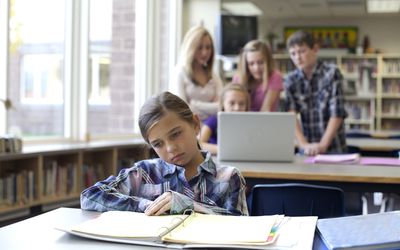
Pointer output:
380, 161
296, 233
336, 158
126, 224
217, 229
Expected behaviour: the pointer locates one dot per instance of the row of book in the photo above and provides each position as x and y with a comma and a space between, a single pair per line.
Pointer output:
9, 144
285, 66
391, 86
391, 125
91, 174
391, 66
356, 66
391, 107
60, 179
17, 188
359, 110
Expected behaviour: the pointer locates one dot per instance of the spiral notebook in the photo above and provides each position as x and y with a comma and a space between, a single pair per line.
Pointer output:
200, 230
196, 228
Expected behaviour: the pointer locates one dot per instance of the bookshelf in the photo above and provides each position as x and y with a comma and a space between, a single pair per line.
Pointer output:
371, 83
54, 175
389, 116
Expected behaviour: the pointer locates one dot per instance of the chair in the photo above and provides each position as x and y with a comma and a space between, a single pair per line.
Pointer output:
296, 199
358, 134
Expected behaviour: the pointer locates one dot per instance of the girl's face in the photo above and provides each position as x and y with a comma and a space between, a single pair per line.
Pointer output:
203, 52
175, 140
235, 101
256, 64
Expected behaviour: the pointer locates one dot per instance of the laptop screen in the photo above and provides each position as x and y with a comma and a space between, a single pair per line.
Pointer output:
256, 136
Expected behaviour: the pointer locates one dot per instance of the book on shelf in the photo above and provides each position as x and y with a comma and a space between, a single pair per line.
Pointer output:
196, 230
17, 187
60, 179
371, 231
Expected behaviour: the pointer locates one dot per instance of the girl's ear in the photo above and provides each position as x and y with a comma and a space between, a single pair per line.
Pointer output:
196, 123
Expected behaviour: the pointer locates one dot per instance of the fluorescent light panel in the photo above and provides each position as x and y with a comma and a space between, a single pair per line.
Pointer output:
242, 8
383, 6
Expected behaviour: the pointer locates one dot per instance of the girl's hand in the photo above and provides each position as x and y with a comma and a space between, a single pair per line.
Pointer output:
160, 205
312, 149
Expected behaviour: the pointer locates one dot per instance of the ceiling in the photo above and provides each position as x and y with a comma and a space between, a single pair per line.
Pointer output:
312, 8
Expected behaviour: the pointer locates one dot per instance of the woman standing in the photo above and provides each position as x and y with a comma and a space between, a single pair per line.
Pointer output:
196, 82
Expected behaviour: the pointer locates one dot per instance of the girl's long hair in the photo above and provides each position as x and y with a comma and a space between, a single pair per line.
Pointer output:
156, 107
245, 76
190, 44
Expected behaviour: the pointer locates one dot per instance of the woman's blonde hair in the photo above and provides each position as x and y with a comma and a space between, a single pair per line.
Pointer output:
190, 44
157, 107
235, 87
245, 76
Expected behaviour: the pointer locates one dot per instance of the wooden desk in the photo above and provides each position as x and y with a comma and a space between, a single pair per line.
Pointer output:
349, 177
39, 233
374, 144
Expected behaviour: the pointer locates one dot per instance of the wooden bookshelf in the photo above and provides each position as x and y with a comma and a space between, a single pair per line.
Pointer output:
371, 83
54, 175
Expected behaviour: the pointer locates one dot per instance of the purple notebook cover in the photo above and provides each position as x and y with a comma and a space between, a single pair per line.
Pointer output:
386, 161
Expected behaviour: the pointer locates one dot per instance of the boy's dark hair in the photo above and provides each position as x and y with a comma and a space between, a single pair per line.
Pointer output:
300, 37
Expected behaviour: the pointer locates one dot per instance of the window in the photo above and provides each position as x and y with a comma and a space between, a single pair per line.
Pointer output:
70, 68
36, 55
111, 45
41, 79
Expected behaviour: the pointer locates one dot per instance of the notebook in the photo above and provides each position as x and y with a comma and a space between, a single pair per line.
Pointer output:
256, 136
371, 231
198, 230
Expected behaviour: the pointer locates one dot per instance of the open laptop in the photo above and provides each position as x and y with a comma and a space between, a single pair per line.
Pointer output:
256, 136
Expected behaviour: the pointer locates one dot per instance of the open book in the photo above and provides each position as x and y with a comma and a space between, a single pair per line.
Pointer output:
197, 230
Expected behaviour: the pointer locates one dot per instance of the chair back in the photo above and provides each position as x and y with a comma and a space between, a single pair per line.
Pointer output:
297, 199
358, 134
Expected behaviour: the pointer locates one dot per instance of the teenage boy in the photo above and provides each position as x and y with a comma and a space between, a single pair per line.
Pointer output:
314, 90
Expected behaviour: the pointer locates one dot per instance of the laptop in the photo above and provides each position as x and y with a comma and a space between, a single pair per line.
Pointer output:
256, 136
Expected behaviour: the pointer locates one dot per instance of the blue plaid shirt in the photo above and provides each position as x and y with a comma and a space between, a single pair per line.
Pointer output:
218, 189
317, 100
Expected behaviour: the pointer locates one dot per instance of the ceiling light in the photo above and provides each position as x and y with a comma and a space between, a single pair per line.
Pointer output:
383, 6
242, 8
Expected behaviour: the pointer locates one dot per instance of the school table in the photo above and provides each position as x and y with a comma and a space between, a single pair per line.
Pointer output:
374, 144
349, 177
39, 233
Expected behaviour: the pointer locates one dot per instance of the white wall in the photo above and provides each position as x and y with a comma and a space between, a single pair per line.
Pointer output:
200, 12
383, 32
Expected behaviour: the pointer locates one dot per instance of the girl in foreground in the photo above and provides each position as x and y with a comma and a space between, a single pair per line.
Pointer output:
184, 177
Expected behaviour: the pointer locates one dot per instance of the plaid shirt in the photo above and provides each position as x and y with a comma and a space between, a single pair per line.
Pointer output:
218, 189
317, 100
